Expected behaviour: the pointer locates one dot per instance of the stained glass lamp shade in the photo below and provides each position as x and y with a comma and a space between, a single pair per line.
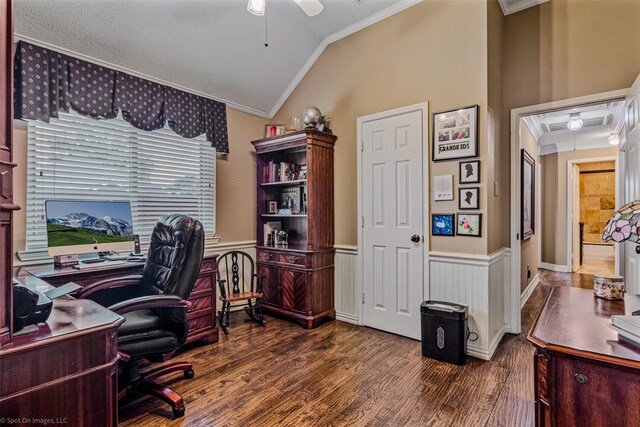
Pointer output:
623, 225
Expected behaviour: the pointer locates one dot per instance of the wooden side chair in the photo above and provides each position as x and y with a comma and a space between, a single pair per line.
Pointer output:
239, 282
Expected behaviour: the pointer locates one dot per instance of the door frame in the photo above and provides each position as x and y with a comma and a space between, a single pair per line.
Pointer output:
423, 107
514, 310
570, 164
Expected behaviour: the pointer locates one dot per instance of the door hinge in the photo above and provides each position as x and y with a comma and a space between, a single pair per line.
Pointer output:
361, 145
363, 298
362, 222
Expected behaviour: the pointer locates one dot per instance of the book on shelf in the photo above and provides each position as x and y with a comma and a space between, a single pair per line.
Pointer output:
268, 228
628, 327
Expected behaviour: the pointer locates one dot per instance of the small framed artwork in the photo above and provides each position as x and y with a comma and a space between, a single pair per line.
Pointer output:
443, 187
469, 224
442, 224
272, 130
469, 172
527, 194
469, 198
455, 134
272, 206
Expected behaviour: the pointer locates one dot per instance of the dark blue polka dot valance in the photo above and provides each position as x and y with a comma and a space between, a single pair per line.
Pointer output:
47, 82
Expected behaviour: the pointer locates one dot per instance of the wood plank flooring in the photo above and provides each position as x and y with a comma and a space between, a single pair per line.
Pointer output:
344, 375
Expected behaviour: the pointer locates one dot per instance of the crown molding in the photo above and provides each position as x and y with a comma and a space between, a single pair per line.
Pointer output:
523, 4
17, 37
580, 144
360, 25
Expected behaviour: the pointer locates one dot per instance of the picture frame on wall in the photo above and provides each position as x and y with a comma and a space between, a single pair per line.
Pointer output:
469, 172
442, 224
455, 134
527, 194
442, 187
469, 198
469, 224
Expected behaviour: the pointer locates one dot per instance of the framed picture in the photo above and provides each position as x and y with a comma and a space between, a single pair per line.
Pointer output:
527, 194
469, 198
272, 206
455, 134
443, 187
272, 130
442, 224
469, 224
469, 172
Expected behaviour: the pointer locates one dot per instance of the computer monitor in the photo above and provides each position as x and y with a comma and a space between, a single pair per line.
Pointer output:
75, 227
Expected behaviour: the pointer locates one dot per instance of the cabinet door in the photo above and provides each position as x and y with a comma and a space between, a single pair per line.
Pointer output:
271, 290
592, 395
294, 289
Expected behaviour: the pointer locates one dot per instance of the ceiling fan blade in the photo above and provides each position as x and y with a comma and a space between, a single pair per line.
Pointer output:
310, 7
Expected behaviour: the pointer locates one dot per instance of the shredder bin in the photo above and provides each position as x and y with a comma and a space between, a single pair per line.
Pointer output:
444, 331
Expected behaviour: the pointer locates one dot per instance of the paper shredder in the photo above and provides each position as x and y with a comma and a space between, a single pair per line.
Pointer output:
444, 331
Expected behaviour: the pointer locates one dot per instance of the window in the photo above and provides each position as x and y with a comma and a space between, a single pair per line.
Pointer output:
79, 158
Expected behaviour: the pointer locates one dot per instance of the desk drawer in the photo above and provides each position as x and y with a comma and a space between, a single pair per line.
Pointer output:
203, 283
293, 259
200, 322
200, 303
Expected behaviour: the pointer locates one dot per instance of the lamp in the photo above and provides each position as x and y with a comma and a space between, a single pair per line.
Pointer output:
613, 139
257, 7
575, 122
623, 225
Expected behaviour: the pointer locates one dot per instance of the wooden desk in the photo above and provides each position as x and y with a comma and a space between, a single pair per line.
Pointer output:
67, 370
583, 374
201, 315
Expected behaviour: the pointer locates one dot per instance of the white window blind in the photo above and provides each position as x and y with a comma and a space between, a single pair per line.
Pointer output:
158, 172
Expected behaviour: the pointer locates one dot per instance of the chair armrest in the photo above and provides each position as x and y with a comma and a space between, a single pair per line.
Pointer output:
150, 301
115, 282
260, 277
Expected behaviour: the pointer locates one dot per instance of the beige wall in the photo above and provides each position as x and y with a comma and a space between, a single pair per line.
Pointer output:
435, 51
554, 200
564, 49
529, 248
235, 177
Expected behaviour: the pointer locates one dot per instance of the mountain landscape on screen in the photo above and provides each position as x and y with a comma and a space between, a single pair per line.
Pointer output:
82, 229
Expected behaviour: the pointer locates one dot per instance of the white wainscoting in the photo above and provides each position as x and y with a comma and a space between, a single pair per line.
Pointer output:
478, 281
347, 303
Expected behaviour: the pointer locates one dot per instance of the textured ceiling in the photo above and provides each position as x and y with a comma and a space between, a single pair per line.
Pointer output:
211, 46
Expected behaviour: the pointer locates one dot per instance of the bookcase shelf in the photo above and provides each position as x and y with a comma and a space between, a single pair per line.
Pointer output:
298, 278
283, 183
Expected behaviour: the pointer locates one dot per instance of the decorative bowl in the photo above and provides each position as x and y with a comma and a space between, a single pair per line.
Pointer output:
608, 287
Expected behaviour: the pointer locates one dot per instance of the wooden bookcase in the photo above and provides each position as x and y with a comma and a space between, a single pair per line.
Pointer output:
298, 276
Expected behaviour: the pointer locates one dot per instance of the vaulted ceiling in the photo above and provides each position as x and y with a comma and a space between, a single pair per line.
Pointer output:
211, 47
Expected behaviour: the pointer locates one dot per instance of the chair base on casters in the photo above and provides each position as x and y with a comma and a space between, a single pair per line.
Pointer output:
254, 311
144, 384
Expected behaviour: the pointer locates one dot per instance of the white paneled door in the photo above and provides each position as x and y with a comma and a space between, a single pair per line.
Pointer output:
392, 221
632, 182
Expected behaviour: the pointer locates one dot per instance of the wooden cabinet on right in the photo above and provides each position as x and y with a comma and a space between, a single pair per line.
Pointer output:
584, 375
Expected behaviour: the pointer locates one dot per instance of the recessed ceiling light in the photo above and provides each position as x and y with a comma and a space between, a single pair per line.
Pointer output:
257, 7
613, 139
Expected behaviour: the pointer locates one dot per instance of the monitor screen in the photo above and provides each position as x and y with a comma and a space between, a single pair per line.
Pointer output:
75, 227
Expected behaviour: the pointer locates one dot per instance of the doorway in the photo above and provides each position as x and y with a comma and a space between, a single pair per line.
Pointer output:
392, 172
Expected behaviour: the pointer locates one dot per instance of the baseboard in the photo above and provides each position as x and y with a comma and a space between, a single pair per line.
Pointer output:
555, 267
483, 354
524, 297
347, 318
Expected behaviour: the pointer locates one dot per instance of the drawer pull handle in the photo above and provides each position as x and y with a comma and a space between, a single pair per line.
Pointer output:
293, 259
269, 256
581, 378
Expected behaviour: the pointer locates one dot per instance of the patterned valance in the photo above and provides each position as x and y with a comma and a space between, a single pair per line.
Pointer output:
47, 82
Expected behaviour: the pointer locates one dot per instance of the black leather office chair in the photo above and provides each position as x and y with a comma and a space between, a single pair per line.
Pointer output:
156, 320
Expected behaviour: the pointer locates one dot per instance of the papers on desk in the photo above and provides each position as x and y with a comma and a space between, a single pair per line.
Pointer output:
628, 327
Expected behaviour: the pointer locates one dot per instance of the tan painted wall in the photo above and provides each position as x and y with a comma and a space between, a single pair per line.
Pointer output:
529, 248
564, 49
235, 176
597, 199
496, 120
554, 201
435, 51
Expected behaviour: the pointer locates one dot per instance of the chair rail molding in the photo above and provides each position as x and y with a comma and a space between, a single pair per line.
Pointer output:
480, 282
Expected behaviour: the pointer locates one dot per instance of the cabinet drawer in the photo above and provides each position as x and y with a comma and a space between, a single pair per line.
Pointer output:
207, 265
200, 303
200, 322
203, 283
283, 258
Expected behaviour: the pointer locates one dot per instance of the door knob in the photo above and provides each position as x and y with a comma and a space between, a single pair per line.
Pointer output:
415, 238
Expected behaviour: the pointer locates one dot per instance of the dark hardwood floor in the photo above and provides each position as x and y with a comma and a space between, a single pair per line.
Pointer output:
341, 374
